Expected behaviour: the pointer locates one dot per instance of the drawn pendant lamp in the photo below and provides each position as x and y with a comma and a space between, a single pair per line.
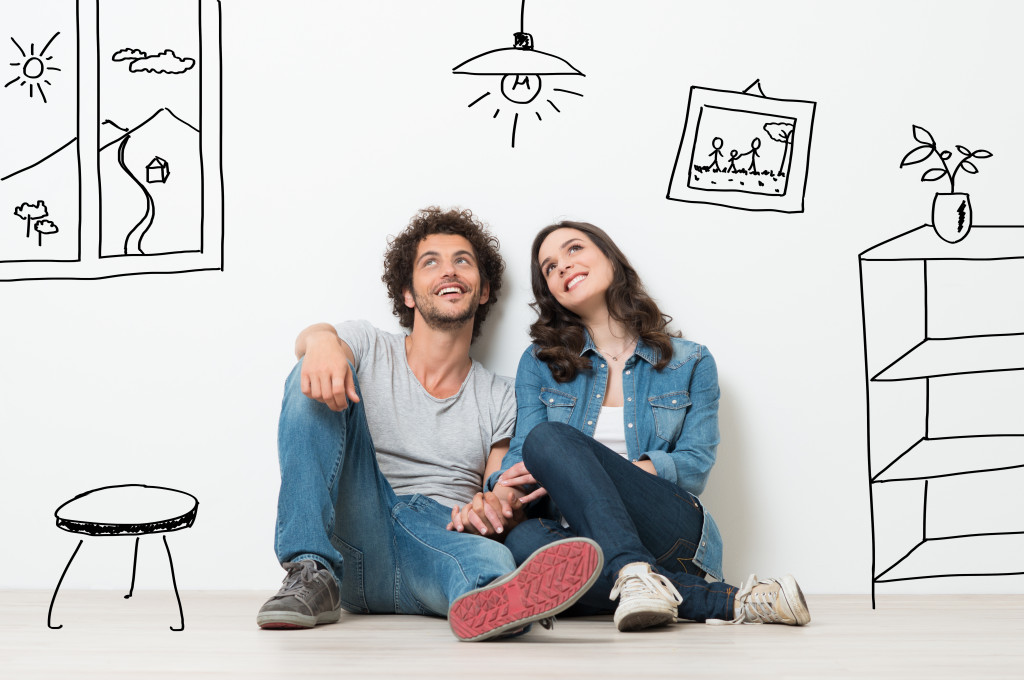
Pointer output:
520, 68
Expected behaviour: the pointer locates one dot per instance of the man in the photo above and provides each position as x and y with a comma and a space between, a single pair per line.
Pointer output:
380, 434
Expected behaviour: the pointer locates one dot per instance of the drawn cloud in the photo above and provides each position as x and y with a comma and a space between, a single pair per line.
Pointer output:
128, 54
164, 62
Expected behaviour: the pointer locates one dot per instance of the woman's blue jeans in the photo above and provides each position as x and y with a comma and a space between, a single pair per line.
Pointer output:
390, 554
633, 515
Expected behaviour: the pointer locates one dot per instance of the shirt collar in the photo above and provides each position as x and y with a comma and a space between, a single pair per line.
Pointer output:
642, 350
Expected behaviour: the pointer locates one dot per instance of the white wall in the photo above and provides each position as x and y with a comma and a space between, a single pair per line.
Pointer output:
341, 119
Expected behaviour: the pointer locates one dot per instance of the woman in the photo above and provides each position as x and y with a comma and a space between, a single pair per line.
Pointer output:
618, 424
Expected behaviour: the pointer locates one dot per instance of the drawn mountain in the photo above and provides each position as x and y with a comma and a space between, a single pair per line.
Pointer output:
54, 180
151, 199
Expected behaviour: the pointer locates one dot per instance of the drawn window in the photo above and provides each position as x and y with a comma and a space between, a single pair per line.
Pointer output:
156, 166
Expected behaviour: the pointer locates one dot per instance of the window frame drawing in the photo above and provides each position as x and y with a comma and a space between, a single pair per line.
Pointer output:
95, 261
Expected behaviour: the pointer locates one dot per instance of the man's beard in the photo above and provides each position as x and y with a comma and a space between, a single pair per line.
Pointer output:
438, 320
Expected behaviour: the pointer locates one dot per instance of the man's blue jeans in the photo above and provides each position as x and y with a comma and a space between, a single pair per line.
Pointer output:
390, 554
633, 515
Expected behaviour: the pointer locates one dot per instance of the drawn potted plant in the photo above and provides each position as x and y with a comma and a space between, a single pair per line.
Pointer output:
951, 212
45, 227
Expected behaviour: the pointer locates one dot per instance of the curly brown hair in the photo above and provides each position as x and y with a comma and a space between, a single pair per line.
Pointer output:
401, 254
560, 333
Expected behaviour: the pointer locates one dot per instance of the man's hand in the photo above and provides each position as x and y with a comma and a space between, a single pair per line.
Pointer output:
326, 375
488, 514
517, 477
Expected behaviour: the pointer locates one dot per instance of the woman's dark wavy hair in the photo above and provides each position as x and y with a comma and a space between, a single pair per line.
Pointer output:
559, 333
400, 257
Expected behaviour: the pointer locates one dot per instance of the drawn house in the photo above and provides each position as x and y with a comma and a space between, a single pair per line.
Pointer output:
157, 171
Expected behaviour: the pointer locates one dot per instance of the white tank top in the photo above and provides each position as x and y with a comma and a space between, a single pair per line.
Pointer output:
610, 430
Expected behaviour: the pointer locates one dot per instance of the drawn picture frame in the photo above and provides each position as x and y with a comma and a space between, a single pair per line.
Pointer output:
726, 135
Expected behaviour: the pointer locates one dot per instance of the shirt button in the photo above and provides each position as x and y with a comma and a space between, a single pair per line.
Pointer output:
551, 401
630, 425
629, 398
599, 396
628, 372
602, 365
673, 401
590, 422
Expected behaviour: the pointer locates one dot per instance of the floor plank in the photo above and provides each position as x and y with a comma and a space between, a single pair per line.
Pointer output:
106, 636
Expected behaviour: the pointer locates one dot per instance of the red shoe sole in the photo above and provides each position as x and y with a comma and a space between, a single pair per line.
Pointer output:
549, 582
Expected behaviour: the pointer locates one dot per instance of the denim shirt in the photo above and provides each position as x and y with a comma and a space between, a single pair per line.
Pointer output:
671, 417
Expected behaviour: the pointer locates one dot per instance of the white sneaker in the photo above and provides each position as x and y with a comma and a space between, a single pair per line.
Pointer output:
771, 600
646, 598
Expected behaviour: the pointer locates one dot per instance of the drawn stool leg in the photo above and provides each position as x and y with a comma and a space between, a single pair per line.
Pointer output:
135, 562
53, 599
174, 582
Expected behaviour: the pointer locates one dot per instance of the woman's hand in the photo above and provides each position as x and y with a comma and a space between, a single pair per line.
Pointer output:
518, 476
646, 465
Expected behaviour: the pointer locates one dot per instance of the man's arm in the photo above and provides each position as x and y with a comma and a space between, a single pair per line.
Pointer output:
326, 371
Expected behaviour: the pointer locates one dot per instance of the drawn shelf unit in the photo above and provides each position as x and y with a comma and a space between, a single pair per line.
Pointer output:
943, 347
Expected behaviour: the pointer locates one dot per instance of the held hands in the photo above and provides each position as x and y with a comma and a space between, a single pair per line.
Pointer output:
518, 476
326, 375
488, 514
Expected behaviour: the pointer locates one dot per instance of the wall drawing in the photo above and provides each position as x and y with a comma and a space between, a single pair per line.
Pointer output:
943, 347
743, 150
127, 510
157, 161
40, 176
520, 68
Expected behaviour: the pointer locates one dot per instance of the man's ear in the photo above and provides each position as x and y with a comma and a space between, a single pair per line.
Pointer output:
410, 302
485, 292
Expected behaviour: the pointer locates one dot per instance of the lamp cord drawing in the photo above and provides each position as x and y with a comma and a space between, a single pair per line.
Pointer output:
520, 68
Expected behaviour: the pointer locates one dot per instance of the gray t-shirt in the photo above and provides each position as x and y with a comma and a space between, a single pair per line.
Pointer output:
435, 447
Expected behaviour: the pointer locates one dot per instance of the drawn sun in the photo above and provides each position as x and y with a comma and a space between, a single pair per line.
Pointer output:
33, 68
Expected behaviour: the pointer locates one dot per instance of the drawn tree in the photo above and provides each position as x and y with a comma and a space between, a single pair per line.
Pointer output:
29, 212
45, 227
781, 132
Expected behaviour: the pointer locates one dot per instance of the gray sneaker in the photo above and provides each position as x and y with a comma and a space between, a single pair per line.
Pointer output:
307, 598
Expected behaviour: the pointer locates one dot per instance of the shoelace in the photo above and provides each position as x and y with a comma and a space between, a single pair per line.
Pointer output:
638, 584
296, 580
754, 607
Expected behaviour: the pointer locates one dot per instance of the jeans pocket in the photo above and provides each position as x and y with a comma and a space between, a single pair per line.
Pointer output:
352, 597
679, 558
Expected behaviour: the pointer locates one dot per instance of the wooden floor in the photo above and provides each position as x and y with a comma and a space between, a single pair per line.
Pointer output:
106, 636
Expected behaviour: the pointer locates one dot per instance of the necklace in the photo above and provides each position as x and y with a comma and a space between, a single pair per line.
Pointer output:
615, 357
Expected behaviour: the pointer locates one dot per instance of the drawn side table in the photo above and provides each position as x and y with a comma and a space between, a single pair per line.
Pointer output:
127, 510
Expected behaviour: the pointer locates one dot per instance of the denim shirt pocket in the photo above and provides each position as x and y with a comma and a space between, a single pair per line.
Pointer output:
669, 412
559, 404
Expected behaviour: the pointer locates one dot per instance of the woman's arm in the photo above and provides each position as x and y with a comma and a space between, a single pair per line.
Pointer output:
530, 412
688, 464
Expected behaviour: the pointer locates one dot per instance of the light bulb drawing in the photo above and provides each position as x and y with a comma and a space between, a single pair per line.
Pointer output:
33, 68
520, 68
